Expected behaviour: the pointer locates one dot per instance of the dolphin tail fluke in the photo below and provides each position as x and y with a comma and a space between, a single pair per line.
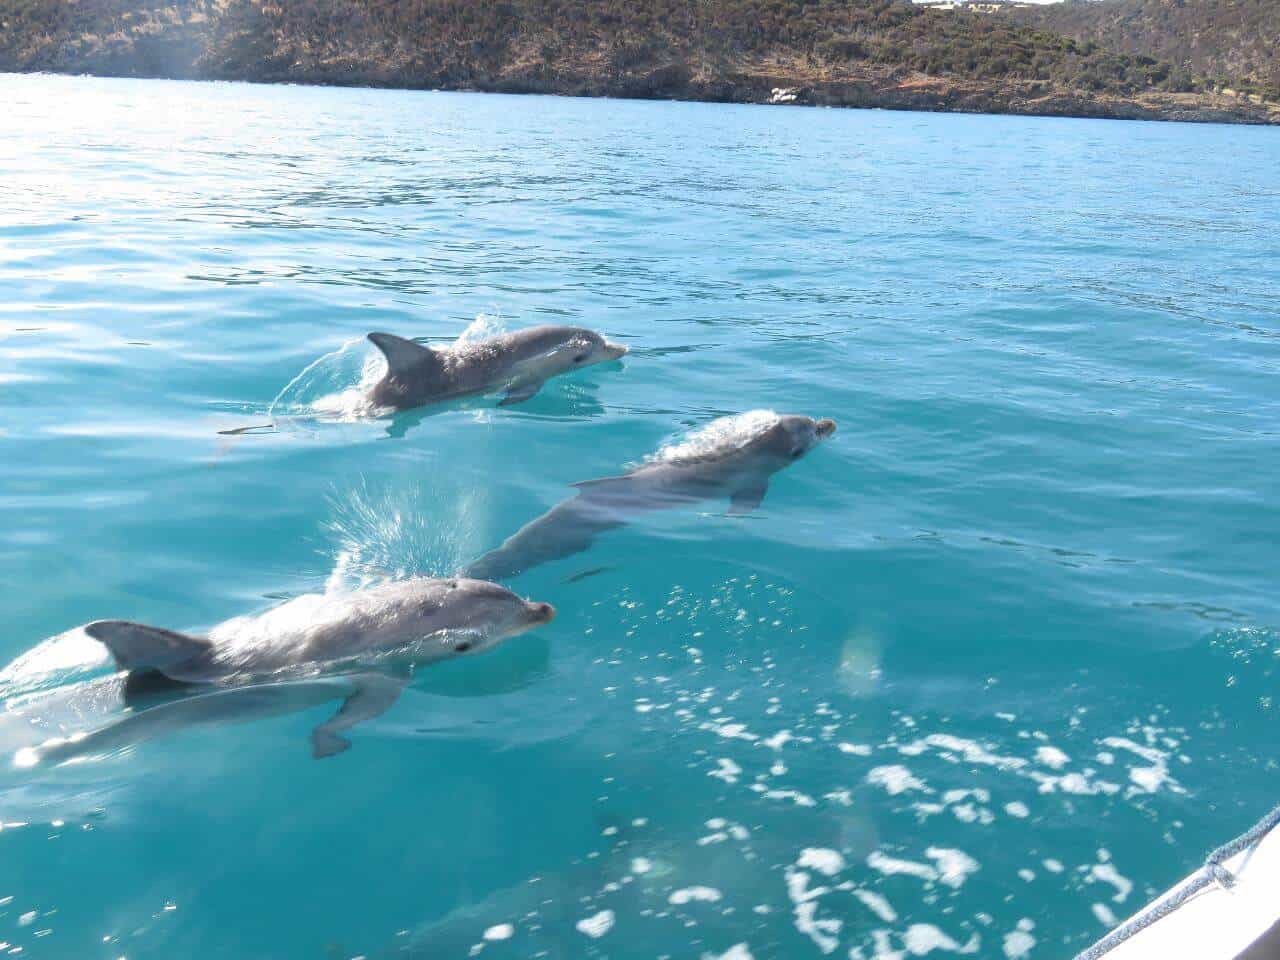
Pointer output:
402, 355
135, 646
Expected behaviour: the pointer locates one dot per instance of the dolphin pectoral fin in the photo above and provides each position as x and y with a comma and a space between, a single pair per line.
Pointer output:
401, 354
521, 391
135, 646
747, 499
373, 695
325, 743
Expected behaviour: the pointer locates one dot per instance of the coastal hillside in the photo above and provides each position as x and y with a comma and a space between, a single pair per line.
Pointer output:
885, 53
1229, 43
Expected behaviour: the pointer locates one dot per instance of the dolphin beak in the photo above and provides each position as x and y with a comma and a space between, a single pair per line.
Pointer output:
615, 351
825, 427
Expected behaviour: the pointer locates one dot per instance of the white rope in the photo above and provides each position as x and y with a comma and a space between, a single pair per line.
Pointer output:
1213, 871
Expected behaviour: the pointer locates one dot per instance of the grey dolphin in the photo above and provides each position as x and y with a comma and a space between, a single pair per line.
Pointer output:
407, 622
733, 457
519, 363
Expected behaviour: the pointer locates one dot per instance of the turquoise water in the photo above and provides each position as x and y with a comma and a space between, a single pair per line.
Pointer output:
988, 669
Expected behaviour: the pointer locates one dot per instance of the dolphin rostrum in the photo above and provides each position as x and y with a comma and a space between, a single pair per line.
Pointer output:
733, 457
519, 363
399, 624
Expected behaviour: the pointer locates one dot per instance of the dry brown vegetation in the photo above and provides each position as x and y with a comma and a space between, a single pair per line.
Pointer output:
858, 52
1226, 43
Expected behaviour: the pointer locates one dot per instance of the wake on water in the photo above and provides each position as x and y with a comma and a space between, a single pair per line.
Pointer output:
65, 657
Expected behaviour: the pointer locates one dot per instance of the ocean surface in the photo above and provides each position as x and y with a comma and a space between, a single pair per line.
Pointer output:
984, 672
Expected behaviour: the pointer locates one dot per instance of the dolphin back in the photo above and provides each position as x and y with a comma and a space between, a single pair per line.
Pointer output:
567, 528
572, 525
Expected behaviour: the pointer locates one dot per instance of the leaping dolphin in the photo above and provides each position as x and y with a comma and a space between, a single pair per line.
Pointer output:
518, 363
733, 457
405, 623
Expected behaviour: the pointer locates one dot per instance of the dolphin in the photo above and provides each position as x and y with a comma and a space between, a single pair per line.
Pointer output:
733, 457
518, 363
395, 625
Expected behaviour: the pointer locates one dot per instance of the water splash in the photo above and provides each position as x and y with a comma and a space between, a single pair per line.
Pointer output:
334, 386
476, 341
391, 533
67, 656
726, 432
484, 326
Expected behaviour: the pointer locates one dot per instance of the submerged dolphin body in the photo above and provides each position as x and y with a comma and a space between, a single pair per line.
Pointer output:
519, 363
733, 457
408, 622
153, 717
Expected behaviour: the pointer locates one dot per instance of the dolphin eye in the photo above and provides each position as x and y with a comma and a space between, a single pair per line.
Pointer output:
579, 358
463, 647
797, 453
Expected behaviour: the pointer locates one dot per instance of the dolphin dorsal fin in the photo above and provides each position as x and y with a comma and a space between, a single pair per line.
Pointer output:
136, 646
402, 355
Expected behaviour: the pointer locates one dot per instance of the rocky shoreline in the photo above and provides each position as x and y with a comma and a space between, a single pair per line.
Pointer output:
927, 94
930, 94
234, 40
